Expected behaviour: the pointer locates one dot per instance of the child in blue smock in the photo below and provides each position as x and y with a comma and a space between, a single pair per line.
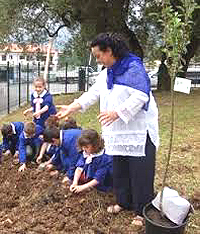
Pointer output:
94, 168
67, 155
41, 103
48, 150
11, 133
29, 143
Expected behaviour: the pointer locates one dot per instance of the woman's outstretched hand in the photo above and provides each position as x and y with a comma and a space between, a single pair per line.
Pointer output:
66, 110
63, 112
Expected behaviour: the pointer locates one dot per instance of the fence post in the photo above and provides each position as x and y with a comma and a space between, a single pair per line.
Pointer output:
8, 86
81, 79
38, 68
48, 80
87, 77
19, 72
27, 83
66, 68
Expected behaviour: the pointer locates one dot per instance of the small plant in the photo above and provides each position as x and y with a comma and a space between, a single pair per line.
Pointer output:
177, 30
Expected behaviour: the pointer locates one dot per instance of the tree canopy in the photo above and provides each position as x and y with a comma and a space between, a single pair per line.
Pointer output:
28, 20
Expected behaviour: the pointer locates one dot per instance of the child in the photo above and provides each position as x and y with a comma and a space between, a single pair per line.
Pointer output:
94, 168
29, 143
51, 121
11, 133
41, 103
67, 155
47, 150
69, 123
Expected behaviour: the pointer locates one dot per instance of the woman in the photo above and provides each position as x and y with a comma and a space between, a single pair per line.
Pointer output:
129, 119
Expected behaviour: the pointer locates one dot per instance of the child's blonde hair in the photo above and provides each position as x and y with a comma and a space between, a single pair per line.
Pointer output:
91, 137
40, 79
29, 128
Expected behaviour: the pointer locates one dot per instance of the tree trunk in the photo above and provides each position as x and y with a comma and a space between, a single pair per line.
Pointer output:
163, 75
107, 16
164, 80
191, 49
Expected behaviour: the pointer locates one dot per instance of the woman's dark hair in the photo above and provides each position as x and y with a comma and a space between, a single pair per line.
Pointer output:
6, 130
50, 133
91, 137
114, 41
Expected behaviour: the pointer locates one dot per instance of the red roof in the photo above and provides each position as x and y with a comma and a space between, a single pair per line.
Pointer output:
27, 48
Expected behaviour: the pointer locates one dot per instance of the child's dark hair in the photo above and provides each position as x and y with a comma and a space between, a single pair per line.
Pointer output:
29, 128
114, 41
69, 123
6, 130
50, 133
91, 136
52, 121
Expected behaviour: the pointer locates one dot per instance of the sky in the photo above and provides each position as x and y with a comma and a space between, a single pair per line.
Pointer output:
62, 38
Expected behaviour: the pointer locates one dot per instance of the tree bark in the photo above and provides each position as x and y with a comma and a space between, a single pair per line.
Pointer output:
107, 16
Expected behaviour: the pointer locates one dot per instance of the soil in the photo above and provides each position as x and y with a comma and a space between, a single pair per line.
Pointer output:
32, 202
195, 200
155, 215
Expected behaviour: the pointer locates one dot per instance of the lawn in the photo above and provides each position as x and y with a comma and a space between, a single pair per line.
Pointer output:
32, 202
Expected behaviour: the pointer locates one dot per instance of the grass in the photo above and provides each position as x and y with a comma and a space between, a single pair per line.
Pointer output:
184, 171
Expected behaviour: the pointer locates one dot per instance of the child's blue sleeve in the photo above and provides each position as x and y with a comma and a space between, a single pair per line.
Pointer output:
22, 150
103, 169
37, 141
38, 130
100, 174
81, 162
73, 165
48, 100
17, 144
5, 144
32, 104
55, 159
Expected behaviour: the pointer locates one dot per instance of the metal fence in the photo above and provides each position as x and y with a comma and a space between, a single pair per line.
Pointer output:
16, 84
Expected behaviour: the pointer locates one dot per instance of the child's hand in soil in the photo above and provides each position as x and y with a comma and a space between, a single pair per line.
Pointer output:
66, 181
78, 188
72, 187
22, 167
7, 153
49, 167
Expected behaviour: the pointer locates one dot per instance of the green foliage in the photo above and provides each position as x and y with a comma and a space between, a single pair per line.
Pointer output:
143, 20
34, 20
177, 32
76, 50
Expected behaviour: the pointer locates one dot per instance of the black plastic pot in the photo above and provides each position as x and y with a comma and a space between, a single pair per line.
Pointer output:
152, 227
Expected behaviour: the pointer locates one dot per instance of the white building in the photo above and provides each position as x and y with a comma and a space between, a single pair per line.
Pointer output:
31, 54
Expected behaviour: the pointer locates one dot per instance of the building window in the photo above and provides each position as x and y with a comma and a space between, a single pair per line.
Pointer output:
21, 57
3, 57
43, 59
10, 57
29, 57
38, 57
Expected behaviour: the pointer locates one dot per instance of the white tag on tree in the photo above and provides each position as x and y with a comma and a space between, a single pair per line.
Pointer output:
182, 85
